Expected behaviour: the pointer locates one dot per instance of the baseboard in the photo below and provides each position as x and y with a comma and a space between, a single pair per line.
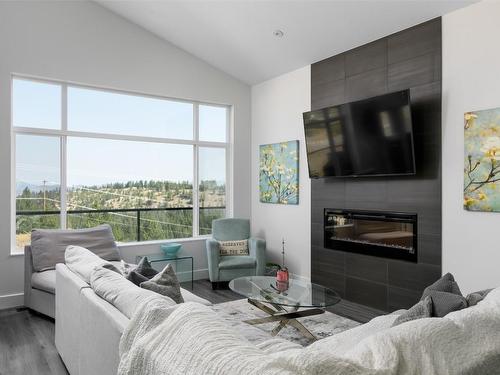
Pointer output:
200, 274
303, 278
9, 301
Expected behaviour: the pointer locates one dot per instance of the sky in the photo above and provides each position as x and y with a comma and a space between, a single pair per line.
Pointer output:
94, 161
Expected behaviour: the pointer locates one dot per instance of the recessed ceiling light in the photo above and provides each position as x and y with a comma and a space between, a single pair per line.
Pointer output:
278, 33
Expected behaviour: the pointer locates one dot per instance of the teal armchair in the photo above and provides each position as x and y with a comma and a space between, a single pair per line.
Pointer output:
228, 267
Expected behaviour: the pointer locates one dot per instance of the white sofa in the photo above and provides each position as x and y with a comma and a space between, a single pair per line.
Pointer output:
88, 329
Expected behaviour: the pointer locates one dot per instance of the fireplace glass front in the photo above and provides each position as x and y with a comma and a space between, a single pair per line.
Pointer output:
384, 234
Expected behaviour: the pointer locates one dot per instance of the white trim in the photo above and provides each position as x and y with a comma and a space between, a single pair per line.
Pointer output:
63, 156
116, 90
117, 137
185, 276
16, 253
13, 194
160, 242
230, 161
63, 133
201, 274
300, 277
10, 301
196, 168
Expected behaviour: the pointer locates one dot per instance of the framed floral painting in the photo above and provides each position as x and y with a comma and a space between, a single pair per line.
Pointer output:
279, 173
482, 160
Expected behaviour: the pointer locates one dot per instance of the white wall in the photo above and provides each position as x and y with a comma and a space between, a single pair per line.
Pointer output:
82, 42
277, 107
471, 81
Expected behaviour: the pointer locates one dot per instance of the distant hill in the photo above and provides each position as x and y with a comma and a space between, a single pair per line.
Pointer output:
21, 185
154, 225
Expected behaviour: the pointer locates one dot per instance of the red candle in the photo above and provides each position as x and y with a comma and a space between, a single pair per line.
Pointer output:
282, 286
282, 275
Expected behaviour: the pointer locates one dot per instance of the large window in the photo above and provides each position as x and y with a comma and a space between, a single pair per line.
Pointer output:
153, 168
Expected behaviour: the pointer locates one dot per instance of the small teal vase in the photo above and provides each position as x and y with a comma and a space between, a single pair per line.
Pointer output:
171, 249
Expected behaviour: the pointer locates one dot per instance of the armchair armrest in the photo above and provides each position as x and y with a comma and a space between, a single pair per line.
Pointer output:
213, 257
257, 249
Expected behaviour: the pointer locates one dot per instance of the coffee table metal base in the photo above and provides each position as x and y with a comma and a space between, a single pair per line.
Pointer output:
284, 317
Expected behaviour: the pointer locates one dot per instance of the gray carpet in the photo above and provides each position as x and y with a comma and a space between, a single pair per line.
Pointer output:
323, 325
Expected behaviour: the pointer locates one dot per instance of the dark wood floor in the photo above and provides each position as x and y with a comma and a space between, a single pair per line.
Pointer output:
27, 344
203, 289
354, 311
27, 338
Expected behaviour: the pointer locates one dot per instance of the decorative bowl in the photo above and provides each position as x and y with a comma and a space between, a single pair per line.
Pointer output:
171, 249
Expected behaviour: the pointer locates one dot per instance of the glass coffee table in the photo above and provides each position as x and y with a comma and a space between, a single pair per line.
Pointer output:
284, 302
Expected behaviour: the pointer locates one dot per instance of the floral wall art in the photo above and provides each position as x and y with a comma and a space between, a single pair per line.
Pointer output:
482, 160
279, 173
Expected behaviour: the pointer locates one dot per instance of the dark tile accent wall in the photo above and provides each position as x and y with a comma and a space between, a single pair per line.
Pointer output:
410, 59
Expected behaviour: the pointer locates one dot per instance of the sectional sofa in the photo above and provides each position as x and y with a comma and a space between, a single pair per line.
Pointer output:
96, 310
88, 329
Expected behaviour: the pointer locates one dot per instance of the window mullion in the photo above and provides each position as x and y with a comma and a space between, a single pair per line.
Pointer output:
63, 155
229, 162
196, 164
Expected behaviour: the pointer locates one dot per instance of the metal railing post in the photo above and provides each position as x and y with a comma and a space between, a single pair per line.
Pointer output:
138, 225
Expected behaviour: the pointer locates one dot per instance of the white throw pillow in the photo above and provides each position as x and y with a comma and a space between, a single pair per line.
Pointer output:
239, 247
121, 293
83, 261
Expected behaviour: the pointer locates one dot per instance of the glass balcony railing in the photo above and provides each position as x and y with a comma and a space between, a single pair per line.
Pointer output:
128, 224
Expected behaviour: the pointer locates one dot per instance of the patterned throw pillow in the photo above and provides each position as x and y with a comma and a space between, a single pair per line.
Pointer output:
422, 309
476, 297
166, 284
239, 247
145, 268
446, 296
136, 277
444, 303
446, 284
143, 272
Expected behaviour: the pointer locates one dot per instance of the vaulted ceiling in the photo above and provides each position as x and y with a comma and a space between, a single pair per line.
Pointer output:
237, 36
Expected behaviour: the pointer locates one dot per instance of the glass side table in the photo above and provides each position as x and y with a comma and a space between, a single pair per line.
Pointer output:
183, 265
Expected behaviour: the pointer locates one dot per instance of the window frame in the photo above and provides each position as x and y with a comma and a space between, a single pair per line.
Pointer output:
64, 133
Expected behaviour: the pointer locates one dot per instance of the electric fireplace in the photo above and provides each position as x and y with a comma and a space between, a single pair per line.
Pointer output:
377, 233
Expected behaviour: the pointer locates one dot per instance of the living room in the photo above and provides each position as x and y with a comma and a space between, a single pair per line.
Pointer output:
139, 147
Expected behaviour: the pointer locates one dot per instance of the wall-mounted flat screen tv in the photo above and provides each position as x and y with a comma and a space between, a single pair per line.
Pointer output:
371, 137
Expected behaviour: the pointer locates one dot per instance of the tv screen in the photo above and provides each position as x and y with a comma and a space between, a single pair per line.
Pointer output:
371, 137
